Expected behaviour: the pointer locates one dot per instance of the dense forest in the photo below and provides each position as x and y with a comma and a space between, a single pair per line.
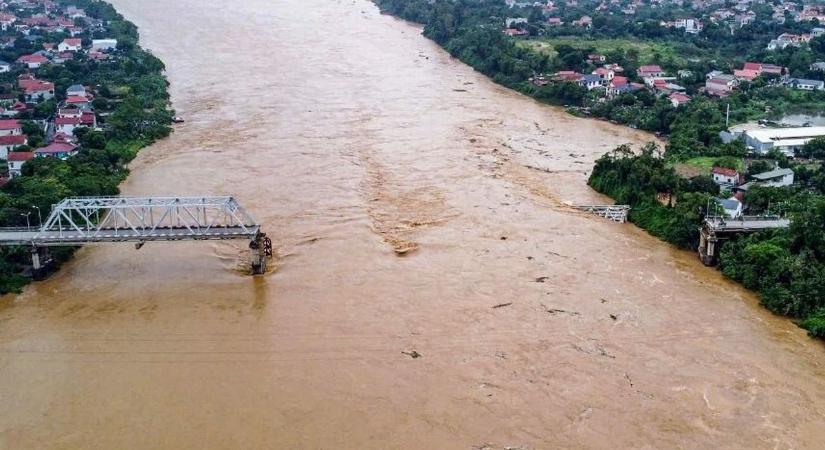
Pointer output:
132, 103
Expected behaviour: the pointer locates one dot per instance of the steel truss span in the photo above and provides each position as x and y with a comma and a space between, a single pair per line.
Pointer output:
87, 220
116, 219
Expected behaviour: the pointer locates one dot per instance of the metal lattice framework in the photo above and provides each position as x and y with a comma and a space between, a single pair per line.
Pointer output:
141, 219
616, 213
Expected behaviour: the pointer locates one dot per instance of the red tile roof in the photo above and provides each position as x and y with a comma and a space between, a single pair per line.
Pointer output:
12, 124
57, 147
13, 139
725, 172
34, 58
20, 156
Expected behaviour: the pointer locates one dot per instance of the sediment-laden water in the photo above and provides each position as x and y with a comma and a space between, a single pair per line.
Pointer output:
352, 138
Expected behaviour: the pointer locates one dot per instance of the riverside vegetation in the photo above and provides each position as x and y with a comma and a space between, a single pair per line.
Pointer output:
786, 267
132, 102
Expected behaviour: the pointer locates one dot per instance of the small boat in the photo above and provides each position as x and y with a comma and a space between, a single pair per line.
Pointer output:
177, 119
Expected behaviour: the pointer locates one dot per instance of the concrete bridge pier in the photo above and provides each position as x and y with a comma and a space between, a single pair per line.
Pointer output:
707, 248
261, 252
40, 261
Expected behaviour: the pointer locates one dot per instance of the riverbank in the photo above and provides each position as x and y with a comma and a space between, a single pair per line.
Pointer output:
108, 99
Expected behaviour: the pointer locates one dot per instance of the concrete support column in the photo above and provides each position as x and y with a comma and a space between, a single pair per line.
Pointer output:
36, 264
259, 254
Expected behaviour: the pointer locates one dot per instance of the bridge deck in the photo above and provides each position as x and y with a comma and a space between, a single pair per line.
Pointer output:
17, 236
736, 225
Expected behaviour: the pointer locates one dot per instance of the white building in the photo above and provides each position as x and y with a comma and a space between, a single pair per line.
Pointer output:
104, 44
70, 45
725, 177
775, 178
15, 161
786, 140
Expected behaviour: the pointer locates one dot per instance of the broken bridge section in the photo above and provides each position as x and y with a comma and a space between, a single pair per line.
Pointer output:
616, 213
715, 229
90, 220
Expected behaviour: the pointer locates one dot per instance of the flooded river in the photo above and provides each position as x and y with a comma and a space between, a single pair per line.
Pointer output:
351, 137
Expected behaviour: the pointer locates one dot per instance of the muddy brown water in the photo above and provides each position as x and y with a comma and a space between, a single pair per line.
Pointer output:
351, 136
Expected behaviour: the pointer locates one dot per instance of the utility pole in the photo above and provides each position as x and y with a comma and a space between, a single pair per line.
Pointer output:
28, 225
727, 116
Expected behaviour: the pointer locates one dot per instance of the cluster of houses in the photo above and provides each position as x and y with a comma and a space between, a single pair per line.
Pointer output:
74, 112
32, 19
734, 181
786, 40
733, 14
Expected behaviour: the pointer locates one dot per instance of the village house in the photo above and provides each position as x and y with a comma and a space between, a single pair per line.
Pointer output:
56, 150
33, 61
555, 21
10, 127
9, 142
591, 82
6, 21
818, 66
775, 178
605, 75
726, 177
70, 45
584, 21
762, 68
677, 99
651, 71
15, 161
36, 90
512, 32
104, 45
806, 85
721, 85
67, 122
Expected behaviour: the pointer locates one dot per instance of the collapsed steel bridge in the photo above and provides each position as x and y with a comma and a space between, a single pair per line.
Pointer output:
90, 220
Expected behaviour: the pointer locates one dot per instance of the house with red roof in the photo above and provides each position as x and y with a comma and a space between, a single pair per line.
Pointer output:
762, 68
568, 76
651, 71
11, 141
677, 99
56, 150
70, 45
67, 124
15, 161
746, 74
33, 61
555, 21
725, 177
606, 75
37, 90
78, 102
7, 20
10, 127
